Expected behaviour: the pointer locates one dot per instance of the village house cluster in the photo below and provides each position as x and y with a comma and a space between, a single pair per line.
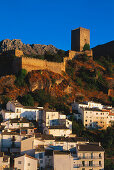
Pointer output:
34, 138
94, 115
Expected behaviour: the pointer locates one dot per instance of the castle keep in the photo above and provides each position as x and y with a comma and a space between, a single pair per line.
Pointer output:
79, 37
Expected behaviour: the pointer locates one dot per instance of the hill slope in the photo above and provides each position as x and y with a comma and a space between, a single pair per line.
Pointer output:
106, 50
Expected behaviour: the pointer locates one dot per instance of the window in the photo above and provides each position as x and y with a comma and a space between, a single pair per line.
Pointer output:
99, 163
40, 155
41, 161
100, 155
19, 162
92, 155
90, 163
5, 159
28, 164
83, 163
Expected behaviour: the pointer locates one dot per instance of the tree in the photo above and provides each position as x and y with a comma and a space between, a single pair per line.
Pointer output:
26, 100
86, 47
20, 79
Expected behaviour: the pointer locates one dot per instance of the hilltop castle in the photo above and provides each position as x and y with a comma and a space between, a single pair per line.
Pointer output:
10, 64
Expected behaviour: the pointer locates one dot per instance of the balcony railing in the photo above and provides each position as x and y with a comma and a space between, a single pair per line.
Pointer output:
90, 157
86, 165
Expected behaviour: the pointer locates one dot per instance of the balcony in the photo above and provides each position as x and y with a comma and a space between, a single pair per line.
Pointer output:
90, 157
86, 165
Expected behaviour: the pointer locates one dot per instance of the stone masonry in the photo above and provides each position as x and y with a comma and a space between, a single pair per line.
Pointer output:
79, 37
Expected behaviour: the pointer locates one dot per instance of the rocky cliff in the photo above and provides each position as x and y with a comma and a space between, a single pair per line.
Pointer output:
28, 49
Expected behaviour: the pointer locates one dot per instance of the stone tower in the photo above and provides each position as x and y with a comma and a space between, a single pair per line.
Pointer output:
79, 37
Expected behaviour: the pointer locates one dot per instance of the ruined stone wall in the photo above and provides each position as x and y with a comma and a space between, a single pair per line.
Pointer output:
36, 64
73, 54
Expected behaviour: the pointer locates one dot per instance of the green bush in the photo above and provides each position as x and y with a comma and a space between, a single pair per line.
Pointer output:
4, 100
54, 57
107, 63
79, 81
62, 108
85, 57
41, 97
86, 47
70, 68
108, 165
26, 100
20, 78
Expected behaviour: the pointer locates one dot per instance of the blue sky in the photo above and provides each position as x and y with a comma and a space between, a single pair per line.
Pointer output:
51, 21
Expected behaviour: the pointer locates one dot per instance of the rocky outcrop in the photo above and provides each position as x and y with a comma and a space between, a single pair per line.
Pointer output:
28, 49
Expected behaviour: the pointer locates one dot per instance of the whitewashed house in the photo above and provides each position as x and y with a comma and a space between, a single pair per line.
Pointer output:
111, 117
16, 123
16, 110
88, 104
25, 162
84, 157
10, 141
4, 161
57, 130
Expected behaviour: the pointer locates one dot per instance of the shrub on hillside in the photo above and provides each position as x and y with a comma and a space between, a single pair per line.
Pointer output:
20, 78
26, 100
70, 68
86, 47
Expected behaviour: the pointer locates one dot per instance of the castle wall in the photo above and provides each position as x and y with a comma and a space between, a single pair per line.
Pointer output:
10, 65
36, 64
73, 54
